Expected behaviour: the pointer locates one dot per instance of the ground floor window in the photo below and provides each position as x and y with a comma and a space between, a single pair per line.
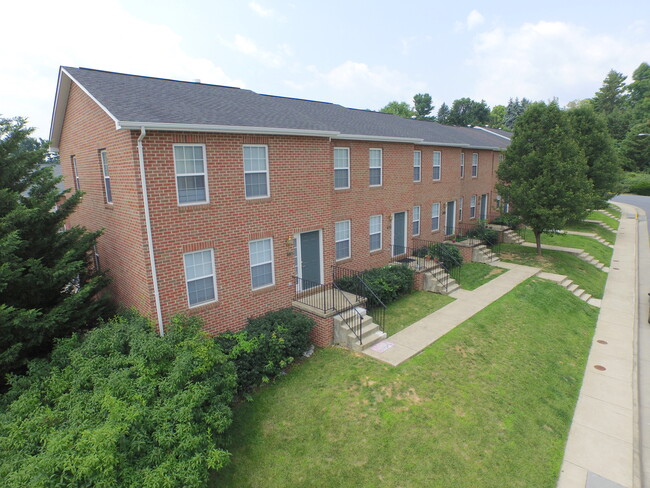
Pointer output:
261, 259
435, 217
342, 238
416, 220
375, 232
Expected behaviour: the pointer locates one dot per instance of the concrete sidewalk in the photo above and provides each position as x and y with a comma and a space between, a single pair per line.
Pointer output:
601, 448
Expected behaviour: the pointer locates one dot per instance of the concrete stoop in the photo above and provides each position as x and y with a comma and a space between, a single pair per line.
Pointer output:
602, 224
511, 237
585, 256
343, 336
434, 279
483, 254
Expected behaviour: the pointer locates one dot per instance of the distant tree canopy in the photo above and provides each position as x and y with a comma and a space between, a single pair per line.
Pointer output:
422, 106
466, 111
398, 108
443, 114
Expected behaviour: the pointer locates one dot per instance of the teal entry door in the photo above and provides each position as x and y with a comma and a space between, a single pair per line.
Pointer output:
450, 225
399, 233
484, 206
309, 259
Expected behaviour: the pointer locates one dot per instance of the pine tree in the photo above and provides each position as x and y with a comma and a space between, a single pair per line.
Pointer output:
544, 173
443, 114
422, 106
47, 287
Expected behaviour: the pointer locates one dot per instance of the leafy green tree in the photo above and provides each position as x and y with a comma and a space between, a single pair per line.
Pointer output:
497, 117
398, 108
589, 130
47, 287
465, 111
422, 106
639, 91
120, 406
636, 148
443, 114
544, 173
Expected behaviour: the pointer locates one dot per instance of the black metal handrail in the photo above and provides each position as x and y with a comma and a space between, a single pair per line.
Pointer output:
354, 279
316, 295
356, 324
438, 252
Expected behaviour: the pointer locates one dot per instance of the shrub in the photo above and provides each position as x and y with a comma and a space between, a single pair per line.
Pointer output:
510, 220
483, 233
388, 283
291, 326
640, 188
120, 406
448, 254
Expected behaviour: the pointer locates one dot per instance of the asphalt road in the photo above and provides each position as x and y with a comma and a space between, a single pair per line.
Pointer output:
637, 201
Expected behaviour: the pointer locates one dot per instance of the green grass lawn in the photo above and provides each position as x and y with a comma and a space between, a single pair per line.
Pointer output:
587, 276
473, 275
608, 235
411, 308
614, 210
595, 215
488, 405
601, 252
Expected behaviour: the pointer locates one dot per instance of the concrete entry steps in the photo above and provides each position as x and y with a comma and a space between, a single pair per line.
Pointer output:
601, 223
591, 235
575, 251
565, 282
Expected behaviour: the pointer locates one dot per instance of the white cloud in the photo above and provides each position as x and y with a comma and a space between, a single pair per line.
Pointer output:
474, 19
248, 47
259, 10
68, 33
548, 59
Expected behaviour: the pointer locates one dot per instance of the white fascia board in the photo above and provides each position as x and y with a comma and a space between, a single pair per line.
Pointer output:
233, 129
489, 148
361, 137
445, 144
491, 132
92, 98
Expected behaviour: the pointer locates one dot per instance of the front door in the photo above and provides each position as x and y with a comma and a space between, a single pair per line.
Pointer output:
308, 260
484, 206
450, 227
399, 233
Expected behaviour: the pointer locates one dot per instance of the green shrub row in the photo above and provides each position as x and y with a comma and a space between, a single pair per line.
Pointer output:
482, 232
510, 220
640, 188
448, 254
388, 283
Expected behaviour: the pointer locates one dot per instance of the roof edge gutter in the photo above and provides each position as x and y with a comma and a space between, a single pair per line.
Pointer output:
361, 137
147, 219
233, 129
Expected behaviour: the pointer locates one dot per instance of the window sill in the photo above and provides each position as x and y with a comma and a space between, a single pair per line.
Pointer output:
191, 207
203, 306
343, 260
264, 289
257, 200
376, 251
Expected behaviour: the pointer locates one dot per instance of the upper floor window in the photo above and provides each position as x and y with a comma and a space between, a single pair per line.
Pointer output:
75, 173
474, 165
375, 167
375, 232
107, 178
462, 165
256, 171
416, 221
191, 180
472, 207
341, 168
435, 216
437, 160
417, 165
342, 239
261, 258
199, 277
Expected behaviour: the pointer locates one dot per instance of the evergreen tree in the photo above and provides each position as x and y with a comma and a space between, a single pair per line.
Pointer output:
443, 114
544, 173
514, 109
636, 147
423, 107
612, 101
47, 288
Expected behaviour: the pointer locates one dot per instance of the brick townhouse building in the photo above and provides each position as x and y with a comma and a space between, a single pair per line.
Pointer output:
221, 202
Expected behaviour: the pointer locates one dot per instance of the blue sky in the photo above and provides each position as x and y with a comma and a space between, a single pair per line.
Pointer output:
360, 54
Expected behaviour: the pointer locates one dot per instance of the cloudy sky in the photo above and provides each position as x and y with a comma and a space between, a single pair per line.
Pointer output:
357, 53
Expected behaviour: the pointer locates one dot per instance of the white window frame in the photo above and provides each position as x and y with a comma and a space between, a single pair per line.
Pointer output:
474, 165
270, 261
213, 275
435, 214
437, 163
462, 165
75, 171
472, 207
204, 174
376, 232
348, 239
460, 209
416, 220
417, 166
256, 172
375, 166
345, 168
108, 193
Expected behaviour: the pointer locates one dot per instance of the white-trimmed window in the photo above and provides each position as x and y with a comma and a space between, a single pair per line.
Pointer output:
417, 165
261, 259
474, 165
191, 180
462, 165
200, 277
75, 173
460, 209
107, 179
437, 163
416, 221
498, 201
435, 217
342, 239
472, 207
341, 168
256, 171
375, 167
96, 258
375, 232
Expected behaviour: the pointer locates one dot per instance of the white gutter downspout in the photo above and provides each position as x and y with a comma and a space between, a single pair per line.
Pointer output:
147, 220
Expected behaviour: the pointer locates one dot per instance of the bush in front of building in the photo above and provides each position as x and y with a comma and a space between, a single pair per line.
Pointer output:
448, 254
388, 283
482, 232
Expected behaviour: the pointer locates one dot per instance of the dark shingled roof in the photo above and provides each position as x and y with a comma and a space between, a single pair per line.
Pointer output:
131, 98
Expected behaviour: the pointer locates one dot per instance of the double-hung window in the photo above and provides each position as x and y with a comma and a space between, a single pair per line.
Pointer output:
437, 161
342, 239
199, 277
462, 165
75, 173
261, 259
191, 180
417, 165
256, 171
435, 217
472, 207
416, 221
341, 168
474, 165
375, 167
460, 209
375, 232
107, 179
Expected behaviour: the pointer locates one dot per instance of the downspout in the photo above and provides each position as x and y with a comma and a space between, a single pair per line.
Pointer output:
147, 220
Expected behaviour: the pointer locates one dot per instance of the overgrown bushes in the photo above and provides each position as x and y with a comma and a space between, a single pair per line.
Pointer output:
509, 220
483, 233
388, 283
448, 254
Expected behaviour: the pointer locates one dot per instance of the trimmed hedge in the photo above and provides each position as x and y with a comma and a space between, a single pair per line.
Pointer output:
448, 254
640, 188
388, 283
